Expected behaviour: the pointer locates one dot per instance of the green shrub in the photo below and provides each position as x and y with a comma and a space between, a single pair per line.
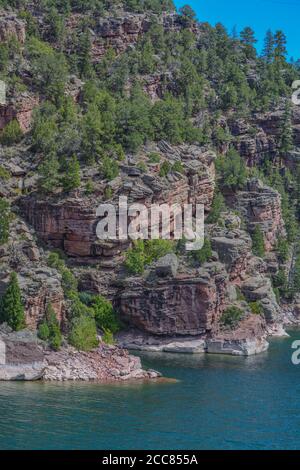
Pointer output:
203, 255
55, 336
43, 331
86, 298
12, 133
154, 157
110, 168
165, 169
55, 261
155, 249
282, 249
49, 329
240, 295
83, 333
89, 188
135, 258
232, 170
5, 217
178, 167
72, 178
108, 193
4, 174
105, 316
69, 282
280, 279
144, 253
258, 242
108, 337
217, 207
256, 308
142, 166
231, 317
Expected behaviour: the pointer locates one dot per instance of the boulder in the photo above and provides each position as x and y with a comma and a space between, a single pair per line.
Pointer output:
167, 266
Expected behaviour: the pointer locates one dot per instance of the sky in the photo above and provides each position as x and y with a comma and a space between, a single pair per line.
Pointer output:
261, 15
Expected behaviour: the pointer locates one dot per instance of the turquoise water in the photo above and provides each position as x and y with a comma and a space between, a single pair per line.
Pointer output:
218, 403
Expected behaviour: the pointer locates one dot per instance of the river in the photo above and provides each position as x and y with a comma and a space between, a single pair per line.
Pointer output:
218, 402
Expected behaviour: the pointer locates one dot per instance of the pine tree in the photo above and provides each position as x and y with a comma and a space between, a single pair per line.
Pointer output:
4, 220
269, 46
48, 172
280, 50
12, 309
286, 140
258, 243
84, 54
217, 207
248, 40
188, 15
55, 336
72, 179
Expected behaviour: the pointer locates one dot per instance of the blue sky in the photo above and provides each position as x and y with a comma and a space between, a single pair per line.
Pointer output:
261, 15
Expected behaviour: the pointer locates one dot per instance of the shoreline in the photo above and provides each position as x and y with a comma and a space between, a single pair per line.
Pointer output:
117, 364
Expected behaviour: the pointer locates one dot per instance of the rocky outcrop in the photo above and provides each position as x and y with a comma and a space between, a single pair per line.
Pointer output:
120, 32
261, 205
137, 341
69, 223
234, 250
259, 289
24, 357
20, 108
248, 339
184, 305
39, 284
259, 137
11, 26
105, 364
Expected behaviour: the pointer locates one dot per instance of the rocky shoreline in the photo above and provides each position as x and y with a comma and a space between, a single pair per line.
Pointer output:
25, 358
236, 343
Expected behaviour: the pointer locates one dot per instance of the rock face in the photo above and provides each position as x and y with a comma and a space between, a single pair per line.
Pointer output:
260, 136
124, 31
259, 289
39, 284
186, 305
261, 205
70, 223
249, 339
21, 109
11, 25
137, 341
234, 250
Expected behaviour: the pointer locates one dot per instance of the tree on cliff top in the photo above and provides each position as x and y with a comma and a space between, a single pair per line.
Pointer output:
248, 40
188, 14
12, 309
269, 45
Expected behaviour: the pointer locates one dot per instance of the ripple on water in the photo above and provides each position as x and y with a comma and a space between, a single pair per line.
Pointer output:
214, 402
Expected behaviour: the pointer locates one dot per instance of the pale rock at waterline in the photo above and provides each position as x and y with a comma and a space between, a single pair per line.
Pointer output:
246, 347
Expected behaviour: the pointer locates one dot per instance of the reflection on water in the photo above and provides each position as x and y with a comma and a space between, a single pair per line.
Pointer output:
199, 361
217, 402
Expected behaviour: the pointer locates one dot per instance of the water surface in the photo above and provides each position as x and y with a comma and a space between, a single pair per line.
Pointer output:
219, 402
